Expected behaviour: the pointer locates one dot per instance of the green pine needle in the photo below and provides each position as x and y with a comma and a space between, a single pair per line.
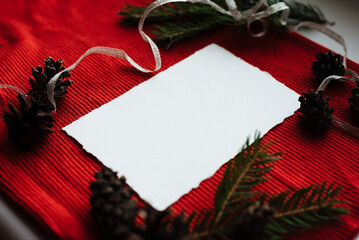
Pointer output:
169, 33
247, 170
179, 21
131, 15
303, 209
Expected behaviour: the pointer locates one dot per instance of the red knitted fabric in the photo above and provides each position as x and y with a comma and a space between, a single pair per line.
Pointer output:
51, 181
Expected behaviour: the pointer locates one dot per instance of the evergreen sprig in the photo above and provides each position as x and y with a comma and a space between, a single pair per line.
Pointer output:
243, 173
169, 33
240, 212
130, 15
177, 21
304, 209
275, 216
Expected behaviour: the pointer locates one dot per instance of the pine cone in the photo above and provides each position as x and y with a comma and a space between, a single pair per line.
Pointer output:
29, 124
116, 211
38, 90
25, 126
251, 221
113, 207
327, 64
316, 114
354, 102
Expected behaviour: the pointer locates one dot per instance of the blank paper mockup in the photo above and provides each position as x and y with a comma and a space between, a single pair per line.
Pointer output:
176, 129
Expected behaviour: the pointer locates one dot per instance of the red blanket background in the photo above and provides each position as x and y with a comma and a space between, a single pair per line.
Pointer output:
51, 181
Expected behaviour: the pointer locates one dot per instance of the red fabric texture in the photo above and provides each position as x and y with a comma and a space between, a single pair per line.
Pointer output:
52, 180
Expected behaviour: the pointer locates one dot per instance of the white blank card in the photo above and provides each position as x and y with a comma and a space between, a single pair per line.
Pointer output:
176, 129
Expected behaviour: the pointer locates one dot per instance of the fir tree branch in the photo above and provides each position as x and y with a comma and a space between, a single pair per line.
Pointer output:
292, 210
303, 209
188, 20
131, 15
242, 174
169, 33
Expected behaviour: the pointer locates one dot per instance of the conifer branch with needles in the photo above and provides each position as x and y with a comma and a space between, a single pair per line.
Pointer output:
240, 212
178, 21
304, 208
131, 15
170, 33
242, 174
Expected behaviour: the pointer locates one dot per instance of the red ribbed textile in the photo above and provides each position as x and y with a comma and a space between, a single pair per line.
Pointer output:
51, 181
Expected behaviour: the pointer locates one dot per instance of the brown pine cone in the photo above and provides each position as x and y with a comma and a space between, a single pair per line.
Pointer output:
32, 121
316, 113
113, 207
25, 126
327, 64
115, 211
40, 79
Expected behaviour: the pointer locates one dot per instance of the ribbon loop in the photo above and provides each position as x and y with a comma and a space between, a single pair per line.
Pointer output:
278, 7
327, 80
353, 74
340, 123
330, 33
354, 131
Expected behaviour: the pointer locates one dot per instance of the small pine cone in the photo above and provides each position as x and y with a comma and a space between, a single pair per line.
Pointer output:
251, 222
316, 113
327, 64
40, 79
25, 126
354, 102
113, 207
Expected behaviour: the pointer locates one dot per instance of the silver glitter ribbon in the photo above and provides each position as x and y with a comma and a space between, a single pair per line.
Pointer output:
323, 29
249, 15
349, 75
